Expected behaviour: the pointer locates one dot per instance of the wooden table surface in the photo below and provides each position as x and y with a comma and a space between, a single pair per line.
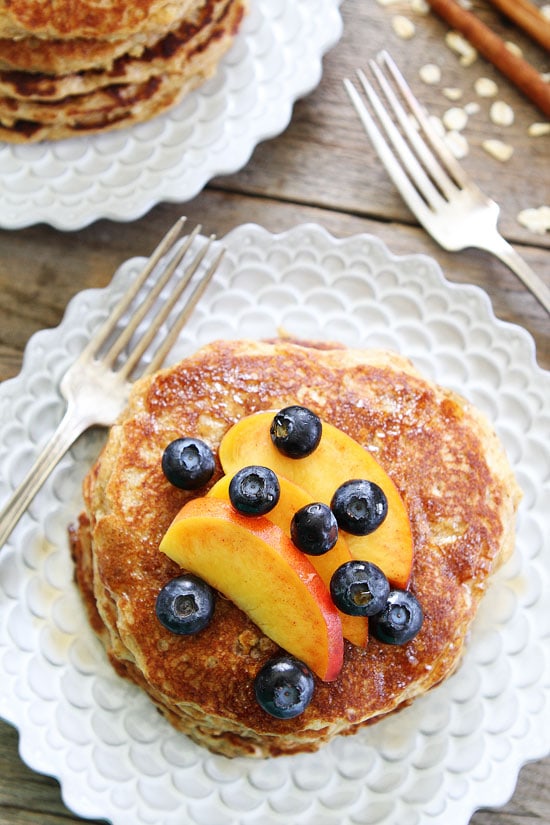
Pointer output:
320, 169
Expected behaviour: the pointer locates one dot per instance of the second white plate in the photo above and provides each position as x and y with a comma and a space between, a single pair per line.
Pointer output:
276, 59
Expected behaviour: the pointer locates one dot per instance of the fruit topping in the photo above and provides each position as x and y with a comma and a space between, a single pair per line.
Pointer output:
314, 529
309, 566
296, 431
400, 619
254, 490
360, 506
337, 459
254, 563
292, 499
188, 463
284, 687
359, 588
185, 604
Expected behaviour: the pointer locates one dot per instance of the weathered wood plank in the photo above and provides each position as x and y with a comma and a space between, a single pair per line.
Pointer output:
40, 271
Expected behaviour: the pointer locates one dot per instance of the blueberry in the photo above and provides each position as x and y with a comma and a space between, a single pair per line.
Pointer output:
359, 588
254, 490
360, 506
284, 687
400, 620
314, 529
296, 431
185, 604
188, 463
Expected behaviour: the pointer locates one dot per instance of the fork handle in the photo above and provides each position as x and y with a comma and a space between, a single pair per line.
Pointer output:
500, 247
70, 427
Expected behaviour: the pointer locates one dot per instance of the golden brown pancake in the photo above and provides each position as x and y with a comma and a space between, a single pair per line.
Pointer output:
177, 53
109, 19
135, 86
114, 107
59, 57
446, 461
64, 56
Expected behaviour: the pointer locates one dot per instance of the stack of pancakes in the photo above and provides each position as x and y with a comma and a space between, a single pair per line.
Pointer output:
71, 68
446, 461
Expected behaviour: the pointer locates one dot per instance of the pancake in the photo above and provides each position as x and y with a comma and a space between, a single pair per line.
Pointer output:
59, 57
447, 463
114, 107
195, 47
106, 19
63, 56
133, 86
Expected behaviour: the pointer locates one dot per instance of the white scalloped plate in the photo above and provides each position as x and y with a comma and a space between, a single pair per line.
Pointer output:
120, 175
455, 749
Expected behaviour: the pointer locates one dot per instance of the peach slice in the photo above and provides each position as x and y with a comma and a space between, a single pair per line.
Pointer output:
337, 459
292, 498
255, 564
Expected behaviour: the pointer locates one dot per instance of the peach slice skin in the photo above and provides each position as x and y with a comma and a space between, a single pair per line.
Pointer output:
292, 498
337, 459
255, 564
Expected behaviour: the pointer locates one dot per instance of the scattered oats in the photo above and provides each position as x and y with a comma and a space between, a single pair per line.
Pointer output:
452, 93
536, 220
460, 46
545, 11
457, 143
466, 4
420, 6
472, 108
455, 41
538, 129
430, 73
501, 113
455, 119
403, 27
514, 48
467, 59
485, 87
498, 149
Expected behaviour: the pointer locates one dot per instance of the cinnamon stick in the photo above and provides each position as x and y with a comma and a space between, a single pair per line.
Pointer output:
528, 17
494, 49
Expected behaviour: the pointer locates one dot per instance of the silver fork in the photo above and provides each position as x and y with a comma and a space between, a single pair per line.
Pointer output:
97, 384
448, 204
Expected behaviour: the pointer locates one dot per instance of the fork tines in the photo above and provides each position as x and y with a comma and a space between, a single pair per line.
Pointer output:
141, 301
423, 181
448, 204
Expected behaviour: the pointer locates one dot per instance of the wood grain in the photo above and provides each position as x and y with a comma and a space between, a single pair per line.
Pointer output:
323, 170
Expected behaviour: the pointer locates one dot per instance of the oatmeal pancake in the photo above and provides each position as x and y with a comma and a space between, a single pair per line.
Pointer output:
193, 46
65, 88
443, 457
108, 19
